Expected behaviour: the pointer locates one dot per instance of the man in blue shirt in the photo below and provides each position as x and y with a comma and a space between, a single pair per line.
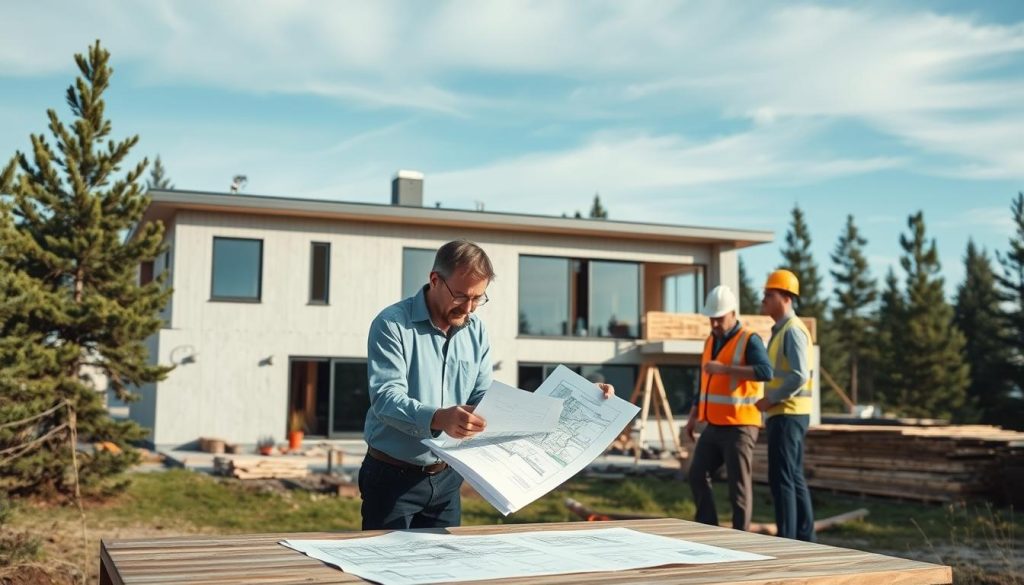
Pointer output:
429, 363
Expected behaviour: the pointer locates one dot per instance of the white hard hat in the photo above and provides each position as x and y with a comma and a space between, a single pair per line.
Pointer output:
721, 301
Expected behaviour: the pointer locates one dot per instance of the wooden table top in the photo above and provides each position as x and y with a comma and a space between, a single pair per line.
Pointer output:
257, 559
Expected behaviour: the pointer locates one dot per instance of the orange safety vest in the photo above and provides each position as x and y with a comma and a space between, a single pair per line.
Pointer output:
725, 400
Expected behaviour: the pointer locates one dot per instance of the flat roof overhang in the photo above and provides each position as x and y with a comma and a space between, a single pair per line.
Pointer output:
165, 204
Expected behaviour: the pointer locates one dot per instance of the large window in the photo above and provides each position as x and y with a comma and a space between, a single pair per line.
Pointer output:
623, 377
574, 297
614, 299
543, 296
328, 396
237, 269
682, 385
417, 264
684, 290
320, 273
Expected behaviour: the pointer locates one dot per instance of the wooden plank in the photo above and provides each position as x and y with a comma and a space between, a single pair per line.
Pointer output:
659, 325
258, 559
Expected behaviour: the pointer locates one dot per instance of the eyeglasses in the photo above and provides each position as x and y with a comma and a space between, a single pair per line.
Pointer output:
462, 299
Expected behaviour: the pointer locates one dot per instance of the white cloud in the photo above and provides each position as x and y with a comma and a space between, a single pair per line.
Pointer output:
658, 166
934, 82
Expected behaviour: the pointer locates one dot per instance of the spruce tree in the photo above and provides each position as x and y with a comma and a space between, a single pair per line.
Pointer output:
749, 303
797, 258
86, 312
978, 315
855, 294
158, 176
934, 374
597, 211
891, 328
1011, 286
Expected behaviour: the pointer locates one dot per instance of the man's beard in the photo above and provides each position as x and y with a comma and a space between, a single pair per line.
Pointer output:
456, 318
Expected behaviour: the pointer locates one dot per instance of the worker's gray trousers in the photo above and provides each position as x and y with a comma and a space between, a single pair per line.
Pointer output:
732, 446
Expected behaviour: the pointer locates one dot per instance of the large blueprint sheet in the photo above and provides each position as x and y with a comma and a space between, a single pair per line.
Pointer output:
512, 472
410, 558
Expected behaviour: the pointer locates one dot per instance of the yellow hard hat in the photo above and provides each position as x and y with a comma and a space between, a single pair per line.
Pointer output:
783, 280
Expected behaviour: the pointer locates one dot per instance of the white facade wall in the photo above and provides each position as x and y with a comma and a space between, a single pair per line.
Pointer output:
236, 387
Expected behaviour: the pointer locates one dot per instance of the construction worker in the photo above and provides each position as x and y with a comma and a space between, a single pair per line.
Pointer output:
733, 367
787, 407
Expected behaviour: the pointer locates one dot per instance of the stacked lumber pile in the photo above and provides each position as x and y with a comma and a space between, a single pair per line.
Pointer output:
935, 464
261, 467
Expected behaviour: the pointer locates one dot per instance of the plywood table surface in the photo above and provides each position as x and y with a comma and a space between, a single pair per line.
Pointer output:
258, 559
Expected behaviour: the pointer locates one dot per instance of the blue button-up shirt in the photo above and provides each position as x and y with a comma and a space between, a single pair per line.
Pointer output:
414, 369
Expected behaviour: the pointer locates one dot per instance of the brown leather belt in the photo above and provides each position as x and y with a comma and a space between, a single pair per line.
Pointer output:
432, 469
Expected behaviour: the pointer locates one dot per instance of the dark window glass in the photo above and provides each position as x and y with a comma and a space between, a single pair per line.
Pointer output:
237, 269
530, 376
351, 397
543, 296
614, 299
417, 265
623, 377
684, 291
320, 272
682, 385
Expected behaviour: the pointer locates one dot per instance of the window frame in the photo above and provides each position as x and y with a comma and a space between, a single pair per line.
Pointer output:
327, 274
573, 292
213, 273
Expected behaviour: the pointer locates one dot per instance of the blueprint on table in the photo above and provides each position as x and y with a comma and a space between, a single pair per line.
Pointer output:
410, 558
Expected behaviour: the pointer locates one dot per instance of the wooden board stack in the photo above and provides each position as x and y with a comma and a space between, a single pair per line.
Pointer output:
936, 464
261, 467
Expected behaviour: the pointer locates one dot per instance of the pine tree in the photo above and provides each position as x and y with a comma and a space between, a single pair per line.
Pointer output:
797, 258
979, 316
158, 177
85, 311
855, 294
891, 327
597, 211
749, 304
1011, 286
934, 374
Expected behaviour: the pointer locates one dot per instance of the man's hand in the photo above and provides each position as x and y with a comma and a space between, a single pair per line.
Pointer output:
608, 390
691, 424
458, 422
715, 368
763, 404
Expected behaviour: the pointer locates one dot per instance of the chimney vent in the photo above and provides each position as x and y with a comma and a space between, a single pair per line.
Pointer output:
407, 189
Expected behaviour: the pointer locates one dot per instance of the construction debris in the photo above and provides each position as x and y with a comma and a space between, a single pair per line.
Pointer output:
261, 467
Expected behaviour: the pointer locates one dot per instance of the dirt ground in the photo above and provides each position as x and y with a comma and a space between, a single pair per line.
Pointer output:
64, 541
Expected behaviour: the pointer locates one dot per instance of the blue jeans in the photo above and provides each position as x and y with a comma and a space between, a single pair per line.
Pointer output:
399, 499
794, 513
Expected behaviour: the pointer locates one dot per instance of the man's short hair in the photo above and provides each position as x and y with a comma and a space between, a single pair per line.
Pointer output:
463, 254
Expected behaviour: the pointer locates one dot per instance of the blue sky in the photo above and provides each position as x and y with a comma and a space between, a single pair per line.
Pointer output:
695, 113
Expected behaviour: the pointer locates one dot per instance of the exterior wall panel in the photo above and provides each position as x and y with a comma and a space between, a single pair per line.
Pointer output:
237, 386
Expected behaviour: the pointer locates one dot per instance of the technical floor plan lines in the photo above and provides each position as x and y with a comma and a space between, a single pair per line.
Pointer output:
411, 558
511, 472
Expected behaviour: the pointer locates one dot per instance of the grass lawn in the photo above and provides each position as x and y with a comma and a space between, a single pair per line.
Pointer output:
979, 541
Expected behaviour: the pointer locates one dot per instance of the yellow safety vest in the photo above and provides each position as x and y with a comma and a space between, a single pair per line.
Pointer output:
801, 402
